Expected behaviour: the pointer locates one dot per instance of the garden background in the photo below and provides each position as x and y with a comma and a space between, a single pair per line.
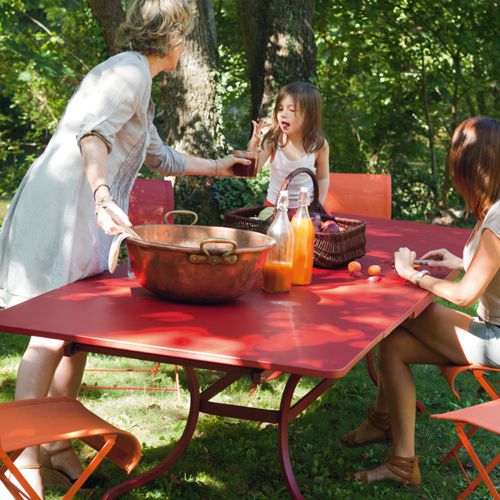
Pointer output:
396, 78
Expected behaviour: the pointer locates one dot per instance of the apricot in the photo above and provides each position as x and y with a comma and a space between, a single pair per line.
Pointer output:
354, 266
374, 270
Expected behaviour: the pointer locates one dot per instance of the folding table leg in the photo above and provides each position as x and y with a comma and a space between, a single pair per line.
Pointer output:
483, 472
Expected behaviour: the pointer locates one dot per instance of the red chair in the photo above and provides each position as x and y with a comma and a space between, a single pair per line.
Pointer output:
360, 194
150, 200
31, 422
485, 416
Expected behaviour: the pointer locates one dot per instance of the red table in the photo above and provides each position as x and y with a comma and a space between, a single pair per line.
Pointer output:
321, 330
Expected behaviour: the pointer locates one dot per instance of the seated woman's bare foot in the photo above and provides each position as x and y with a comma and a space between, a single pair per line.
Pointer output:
404, 470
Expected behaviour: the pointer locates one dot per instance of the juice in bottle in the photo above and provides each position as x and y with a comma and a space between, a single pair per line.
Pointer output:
278, 266
303, 248
277, 276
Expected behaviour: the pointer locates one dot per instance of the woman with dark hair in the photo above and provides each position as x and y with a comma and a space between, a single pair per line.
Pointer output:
440, 335
75, 196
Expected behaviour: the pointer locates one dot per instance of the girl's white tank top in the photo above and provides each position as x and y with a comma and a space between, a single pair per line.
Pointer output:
281, 166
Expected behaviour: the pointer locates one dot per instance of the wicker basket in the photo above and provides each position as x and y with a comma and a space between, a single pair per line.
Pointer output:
330, 249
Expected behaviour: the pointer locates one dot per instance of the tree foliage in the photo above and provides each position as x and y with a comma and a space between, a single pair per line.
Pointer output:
396, 77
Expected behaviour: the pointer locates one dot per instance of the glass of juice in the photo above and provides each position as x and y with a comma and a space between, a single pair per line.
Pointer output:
244, 170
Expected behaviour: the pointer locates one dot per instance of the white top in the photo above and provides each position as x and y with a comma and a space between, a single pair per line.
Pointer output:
281, 166
489, 303
50, 235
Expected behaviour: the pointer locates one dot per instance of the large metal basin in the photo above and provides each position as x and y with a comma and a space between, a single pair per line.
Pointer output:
197, 263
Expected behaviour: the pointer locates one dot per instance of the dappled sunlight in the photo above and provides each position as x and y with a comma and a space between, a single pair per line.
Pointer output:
317, 330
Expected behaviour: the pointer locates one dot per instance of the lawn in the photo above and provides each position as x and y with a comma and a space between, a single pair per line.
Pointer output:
232, 459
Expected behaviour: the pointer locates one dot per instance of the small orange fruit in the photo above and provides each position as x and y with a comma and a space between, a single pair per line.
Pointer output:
374, 270
354, 266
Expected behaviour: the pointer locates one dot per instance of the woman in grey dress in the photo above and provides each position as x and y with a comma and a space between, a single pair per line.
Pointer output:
73, 198
440, 335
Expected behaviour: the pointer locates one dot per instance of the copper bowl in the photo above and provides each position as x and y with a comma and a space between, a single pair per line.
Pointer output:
197, 263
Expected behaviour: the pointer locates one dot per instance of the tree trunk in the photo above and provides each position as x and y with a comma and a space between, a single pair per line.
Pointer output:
190, 119
430, 127
109, 14
279, 43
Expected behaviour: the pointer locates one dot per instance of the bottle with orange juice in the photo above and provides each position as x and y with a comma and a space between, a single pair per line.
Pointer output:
303, 237
278, 265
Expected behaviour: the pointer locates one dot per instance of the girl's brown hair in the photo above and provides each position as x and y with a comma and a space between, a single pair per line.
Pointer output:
308, 99
153, 26
475, 163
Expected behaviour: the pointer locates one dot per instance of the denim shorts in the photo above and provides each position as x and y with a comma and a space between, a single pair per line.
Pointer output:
481, 345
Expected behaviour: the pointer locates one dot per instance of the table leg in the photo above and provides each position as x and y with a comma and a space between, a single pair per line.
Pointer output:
285, 417
180, 447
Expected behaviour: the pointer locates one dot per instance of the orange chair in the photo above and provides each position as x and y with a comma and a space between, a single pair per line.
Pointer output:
32, 422
360, 194
485, 416
150, 200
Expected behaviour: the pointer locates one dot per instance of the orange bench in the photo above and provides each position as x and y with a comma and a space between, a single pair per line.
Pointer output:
31, 422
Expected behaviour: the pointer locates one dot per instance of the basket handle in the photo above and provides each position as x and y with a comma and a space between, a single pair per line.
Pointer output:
298, 171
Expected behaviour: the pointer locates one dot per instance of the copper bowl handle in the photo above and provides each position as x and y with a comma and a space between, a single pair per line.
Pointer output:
228, 257
181, 212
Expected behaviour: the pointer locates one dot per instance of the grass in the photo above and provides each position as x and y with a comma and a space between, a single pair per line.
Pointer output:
233, 459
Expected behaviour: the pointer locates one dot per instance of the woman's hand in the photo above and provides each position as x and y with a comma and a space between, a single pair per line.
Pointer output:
443, 258
111, 218
404, 259
224, 165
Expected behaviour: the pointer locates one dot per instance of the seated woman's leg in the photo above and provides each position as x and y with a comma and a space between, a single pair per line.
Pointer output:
429, 339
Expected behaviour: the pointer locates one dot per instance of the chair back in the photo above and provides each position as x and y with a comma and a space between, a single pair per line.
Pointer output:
150, 200
360, 194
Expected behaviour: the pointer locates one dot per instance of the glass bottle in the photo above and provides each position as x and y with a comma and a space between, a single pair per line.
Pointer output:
278, 265
303, 237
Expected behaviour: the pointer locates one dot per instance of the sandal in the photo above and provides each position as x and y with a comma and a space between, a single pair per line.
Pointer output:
53, 476
376, 419
406, 470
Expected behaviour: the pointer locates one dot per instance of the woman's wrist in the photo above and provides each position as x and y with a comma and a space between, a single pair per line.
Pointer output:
215, 164
100, 190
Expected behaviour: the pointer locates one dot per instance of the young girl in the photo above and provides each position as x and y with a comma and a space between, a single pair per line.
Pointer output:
440, 335
294, 140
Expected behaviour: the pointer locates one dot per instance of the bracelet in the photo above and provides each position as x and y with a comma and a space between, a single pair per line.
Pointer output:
99, 187
102, 201
421, 274
216, 168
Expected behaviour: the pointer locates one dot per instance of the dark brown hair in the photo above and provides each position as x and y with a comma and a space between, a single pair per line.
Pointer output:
475, 163
308, 99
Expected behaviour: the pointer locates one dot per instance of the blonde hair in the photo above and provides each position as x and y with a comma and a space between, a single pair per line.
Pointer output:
308, 99
474, 163
153, 26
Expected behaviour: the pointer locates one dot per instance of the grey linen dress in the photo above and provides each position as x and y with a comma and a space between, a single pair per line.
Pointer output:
50, 235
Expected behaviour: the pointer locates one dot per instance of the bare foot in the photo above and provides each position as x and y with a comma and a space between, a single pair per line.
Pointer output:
380, 473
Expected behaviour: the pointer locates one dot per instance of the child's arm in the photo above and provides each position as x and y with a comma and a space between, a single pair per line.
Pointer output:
254, 141
264, 154
323, 171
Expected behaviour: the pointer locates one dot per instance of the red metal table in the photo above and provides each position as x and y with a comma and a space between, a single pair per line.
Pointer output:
321, 330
